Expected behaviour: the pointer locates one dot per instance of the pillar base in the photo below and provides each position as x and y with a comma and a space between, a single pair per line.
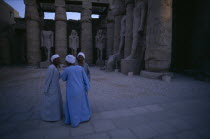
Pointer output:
157, 75
130, 65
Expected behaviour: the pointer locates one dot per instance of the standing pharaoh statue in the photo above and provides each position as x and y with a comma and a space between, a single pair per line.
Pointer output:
74, 42
100, 45
115, 59
134, 62
138, 25
47, 39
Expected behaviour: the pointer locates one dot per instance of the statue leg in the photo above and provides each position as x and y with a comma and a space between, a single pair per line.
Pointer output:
134, 46
122, 41
48, 56
101, 55
98, 54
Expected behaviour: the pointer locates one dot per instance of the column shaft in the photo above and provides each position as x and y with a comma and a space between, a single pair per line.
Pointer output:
86, 32
60, 29
32, 32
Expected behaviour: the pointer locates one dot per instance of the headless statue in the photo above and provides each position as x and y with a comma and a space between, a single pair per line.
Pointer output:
74, 42
114, 59
100, 45
47, 38
138, 25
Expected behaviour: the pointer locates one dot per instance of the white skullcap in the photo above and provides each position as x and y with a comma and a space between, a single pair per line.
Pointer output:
54, 57
70, 59
81, 54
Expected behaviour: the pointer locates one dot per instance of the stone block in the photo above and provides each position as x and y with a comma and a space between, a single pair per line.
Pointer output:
130, 74
157, 65
116, 70
151, 75
130, 65
166, 78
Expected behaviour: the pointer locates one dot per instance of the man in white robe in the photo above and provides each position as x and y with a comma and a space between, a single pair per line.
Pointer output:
52, 106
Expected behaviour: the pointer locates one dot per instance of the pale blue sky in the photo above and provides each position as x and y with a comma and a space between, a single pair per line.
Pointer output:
20, 7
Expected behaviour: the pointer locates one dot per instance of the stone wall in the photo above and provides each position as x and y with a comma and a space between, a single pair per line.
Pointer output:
159, 35
191, 31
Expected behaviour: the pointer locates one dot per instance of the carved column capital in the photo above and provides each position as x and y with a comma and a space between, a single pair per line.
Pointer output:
60, 14
118, 7
60, 3
86, 12
31, 10
110, 17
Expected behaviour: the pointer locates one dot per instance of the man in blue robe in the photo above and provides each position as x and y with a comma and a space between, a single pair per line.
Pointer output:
77, 85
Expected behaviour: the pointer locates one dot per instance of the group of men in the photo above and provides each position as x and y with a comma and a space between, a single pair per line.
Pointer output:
77, 77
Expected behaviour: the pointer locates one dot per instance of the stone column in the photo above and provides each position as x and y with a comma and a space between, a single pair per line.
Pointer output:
60, 29
129, 27
159, 36
110, 34
86, 31
118, 10
32, 32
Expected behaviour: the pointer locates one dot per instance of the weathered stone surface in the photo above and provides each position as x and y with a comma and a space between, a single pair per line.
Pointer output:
60, 29
110, 34
157, 65
117, 29
61, 39
31, 10
130, 74
5, 51
166, 78
32, 32
129, 27
118, 10
86, 32
130, 65
33, 42
159, 30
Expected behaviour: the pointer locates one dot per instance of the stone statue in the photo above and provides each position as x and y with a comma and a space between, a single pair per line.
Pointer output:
100, 45
114, 59
122, 38
47, 39
74, 42
138, 25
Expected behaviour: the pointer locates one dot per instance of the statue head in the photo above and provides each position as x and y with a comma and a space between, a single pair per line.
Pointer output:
100, 33
74, 33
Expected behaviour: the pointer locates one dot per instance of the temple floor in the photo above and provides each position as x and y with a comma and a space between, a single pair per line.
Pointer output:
123, 107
